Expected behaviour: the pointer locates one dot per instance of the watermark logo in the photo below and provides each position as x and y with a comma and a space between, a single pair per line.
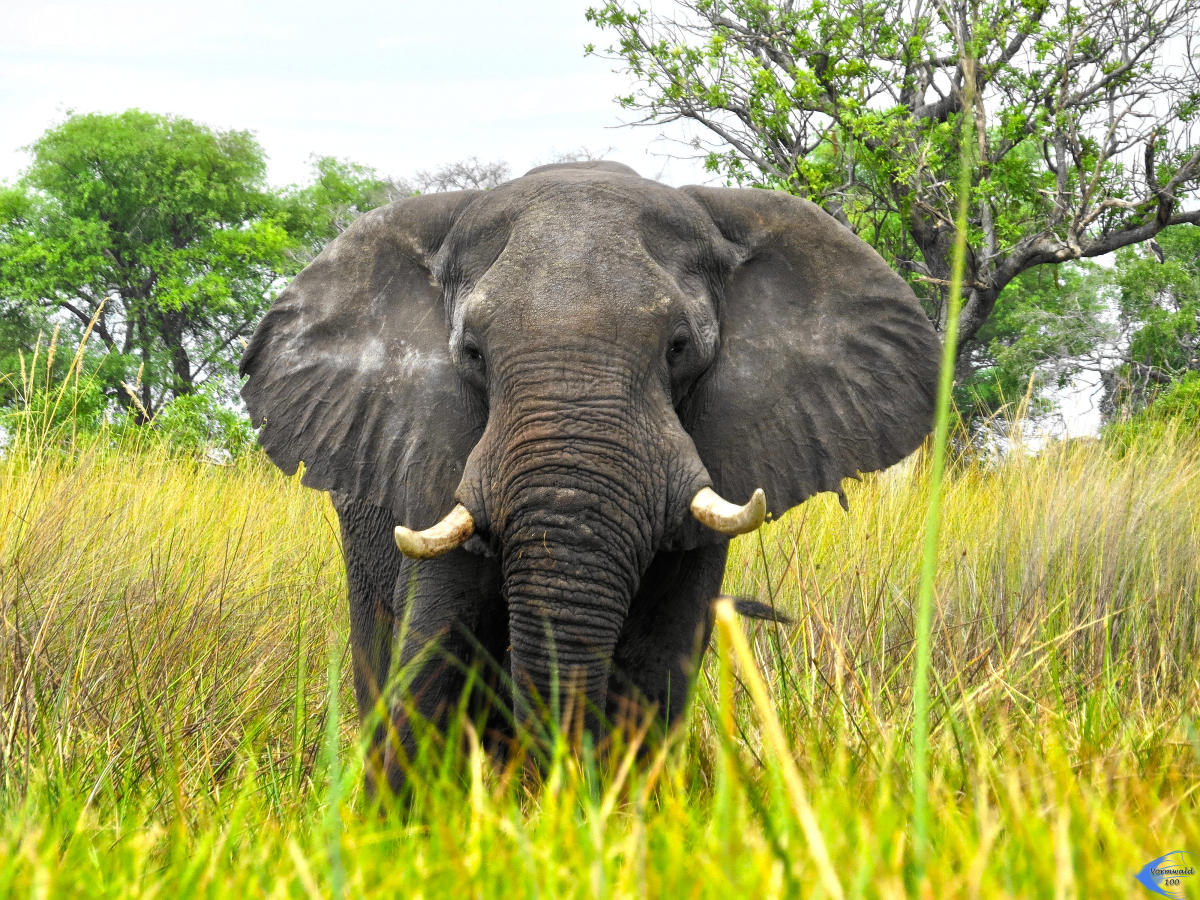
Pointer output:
1168, 874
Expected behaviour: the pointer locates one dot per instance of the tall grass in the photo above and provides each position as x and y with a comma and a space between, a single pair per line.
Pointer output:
175, 713
938, 448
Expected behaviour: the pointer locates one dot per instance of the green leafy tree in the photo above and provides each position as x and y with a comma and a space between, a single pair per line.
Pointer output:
1053, 324
340, 192
1081, 127
157, 234
1159, 305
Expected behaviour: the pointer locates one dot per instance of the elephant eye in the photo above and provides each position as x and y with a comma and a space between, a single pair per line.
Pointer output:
676, 348
471, 352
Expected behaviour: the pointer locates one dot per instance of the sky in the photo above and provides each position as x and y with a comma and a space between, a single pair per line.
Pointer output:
399, 86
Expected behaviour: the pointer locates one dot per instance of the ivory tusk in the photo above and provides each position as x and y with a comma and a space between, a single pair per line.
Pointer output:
711, 509
446, 535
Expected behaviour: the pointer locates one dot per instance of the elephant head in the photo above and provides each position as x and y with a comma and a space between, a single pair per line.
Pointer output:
577, 366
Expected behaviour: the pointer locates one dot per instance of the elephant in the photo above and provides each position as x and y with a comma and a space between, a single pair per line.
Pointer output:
529, 405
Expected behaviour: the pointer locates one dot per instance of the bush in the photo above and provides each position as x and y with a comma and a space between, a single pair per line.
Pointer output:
201, 424
59, 399
51, 396
1174, 412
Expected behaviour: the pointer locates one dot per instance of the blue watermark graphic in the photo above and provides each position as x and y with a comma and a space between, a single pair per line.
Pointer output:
1168, 874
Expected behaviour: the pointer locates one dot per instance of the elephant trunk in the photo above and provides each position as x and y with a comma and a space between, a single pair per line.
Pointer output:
575, 482
574, 550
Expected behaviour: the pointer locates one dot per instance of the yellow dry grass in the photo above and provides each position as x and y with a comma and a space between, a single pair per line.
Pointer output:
175, 717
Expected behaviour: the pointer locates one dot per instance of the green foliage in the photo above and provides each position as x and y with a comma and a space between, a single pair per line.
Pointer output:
157, 233
54, 394
1174, 411
21, 330
201, 423
58, 401
1079, 129
1156, 391
1159, 302
159, 239
1044, 330
1180, 403
339, 193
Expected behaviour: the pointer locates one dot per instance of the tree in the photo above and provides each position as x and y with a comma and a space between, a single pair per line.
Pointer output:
156, 233
1158, 301
339, 193
1080, 124
464, 175
1053, 324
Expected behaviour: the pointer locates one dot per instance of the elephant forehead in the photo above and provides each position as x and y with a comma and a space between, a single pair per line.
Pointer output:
570, 277
570, 214
569, 301
584, 254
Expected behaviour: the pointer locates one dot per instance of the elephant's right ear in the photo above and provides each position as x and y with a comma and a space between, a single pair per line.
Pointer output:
350, 372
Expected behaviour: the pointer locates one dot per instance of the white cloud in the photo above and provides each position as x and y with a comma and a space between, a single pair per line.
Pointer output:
398, 86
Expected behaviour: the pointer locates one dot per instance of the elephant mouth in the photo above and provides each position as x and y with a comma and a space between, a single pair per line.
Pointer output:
708, 507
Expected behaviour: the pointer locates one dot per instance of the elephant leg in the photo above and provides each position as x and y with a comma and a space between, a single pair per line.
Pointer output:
667, 630
372, 566
452, 620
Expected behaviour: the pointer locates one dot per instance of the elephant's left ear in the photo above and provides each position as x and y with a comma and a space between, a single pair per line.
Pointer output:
828, 365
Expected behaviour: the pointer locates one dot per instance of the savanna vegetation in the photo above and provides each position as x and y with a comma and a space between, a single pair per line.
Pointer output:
177, 719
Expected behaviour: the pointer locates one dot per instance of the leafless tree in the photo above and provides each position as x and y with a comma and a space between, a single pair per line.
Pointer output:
464, 175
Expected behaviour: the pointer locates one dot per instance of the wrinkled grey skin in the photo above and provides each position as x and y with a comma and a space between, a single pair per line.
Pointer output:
572, 356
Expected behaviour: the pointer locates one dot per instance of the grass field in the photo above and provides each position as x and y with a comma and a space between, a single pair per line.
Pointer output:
176, 721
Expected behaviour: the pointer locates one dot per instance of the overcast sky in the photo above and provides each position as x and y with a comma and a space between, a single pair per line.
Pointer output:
399, 86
